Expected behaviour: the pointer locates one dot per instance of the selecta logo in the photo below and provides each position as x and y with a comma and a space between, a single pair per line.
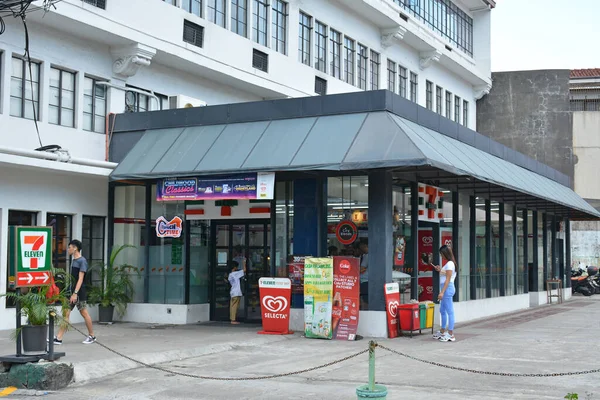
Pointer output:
172, 228
427, 239
32, 249
393, 308
448, 242
429, 289
275, 304
345, 266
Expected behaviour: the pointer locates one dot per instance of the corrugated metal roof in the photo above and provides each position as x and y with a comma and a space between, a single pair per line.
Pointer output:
339, 142
585, 73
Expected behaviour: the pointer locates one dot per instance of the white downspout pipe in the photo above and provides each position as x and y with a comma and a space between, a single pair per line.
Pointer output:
44, 155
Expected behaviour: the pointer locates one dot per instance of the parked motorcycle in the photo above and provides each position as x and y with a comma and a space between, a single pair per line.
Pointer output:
581, 283
594, 278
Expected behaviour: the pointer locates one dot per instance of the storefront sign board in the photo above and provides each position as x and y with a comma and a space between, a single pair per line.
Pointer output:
253, 186
392, 305
169, 229
346, 294
275, 302
318, 295
34, 256
346, 232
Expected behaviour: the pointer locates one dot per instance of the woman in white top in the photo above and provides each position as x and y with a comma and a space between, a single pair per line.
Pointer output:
447, 290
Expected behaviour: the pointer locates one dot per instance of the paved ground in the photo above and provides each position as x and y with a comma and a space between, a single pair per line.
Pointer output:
556, 338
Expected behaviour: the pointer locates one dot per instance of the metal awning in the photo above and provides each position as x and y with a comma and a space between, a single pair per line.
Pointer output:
336, 143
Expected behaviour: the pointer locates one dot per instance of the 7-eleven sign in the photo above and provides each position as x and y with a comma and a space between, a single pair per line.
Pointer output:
34, 256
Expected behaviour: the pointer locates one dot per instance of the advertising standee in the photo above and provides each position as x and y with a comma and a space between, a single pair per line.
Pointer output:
275, 296
318, 294
346, 295
392, 306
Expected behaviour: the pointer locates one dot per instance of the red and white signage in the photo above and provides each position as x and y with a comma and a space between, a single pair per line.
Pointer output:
275, 294
346, 293
172, 228
392, 305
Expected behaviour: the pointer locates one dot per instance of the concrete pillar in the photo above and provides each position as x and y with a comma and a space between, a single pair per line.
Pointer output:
3, 252
381, 247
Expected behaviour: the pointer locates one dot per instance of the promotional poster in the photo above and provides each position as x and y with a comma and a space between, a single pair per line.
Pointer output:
318, 296
275, 296
392, 305
425, 270
346, 293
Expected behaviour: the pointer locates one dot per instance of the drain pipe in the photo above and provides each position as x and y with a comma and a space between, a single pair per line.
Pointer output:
44, 155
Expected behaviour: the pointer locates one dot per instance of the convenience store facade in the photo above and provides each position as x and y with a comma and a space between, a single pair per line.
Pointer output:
403, 179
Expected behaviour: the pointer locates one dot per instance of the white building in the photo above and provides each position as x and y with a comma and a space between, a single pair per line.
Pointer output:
91, 58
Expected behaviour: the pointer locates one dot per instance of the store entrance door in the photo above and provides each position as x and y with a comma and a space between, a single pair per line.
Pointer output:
245, 240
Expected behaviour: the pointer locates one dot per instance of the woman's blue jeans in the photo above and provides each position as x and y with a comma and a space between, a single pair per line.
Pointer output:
447, 307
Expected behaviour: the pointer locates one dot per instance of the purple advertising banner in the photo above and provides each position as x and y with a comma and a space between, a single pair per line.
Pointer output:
235, 187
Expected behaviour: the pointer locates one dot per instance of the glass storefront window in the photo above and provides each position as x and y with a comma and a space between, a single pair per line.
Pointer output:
167, 256
521, 242
199, 261
61, 236
403, 251
129, 220
464, 247
348, 199
509, 250
480, 276
284, 217
92, 239
540, 252
495, 256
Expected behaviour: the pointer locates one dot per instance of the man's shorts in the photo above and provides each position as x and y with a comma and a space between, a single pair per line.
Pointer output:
81, 305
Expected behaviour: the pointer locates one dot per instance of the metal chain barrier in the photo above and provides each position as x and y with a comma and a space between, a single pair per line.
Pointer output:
216, 378
475, 371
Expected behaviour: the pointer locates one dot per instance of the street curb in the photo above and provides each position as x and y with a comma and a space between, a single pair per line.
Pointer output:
23, 392
96, 370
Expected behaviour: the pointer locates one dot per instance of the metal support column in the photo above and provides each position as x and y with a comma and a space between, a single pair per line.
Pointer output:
502, 256
488, 249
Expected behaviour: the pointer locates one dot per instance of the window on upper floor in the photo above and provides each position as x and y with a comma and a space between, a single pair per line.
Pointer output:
163, 101
414, 87
216, 12
403, 82
321, 46
171, 2
97, 3
448, 105
579, 104
260, 60
193, 33
135, 101
94, 105
457, 109
320, 86
25, 89
192, 6
349, 55
239, 17
304, 38
392, 76
438, 99
61, 108
465, 113
444, 18
259, 29
375, 63
335, 41
279, 26
363, 60
429, 95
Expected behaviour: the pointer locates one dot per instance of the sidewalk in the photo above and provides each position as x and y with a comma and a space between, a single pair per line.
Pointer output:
557, 338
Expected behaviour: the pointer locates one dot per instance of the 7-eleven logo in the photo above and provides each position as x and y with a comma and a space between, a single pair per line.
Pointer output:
33, 250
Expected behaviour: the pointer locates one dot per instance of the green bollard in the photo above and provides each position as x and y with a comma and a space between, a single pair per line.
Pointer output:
371, 391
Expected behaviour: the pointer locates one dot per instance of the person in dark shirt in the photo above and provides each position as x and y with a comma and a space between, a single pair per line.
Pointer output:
78, 298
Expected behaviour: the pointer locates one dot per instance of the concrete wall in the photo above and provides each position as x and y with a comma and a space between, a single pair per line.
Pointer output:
586, 149
529, 112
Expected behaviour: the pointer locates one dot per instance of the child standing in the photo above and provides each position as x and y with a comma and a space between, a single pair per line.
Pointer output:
236, 290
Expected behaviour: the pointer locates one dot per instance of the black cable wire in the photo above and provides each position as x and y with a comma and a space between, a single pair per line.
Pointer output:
28, 56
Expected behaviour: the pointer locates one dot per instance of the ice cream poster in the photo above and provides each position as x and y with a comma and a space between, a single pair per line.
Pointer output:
346, 293
318, 297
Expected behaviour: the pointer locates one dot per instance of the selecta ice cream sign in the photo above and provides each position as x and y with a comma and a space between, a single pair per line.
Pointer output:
275, 294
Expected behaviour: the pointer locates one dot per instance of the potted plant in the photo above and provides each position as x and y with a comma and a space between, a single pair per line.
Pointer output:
115, 289
35, 305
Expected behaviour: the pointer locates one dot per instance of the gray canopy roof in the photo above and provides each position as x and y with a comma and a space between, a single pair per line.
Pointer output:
343, 142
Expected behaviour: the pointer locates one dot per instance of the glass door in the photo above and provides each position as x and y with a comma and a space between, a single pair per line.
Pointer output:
246, 243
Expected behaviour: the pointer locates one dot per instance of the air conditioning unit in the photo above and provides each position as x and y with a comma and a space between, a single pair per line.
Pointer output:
181, 101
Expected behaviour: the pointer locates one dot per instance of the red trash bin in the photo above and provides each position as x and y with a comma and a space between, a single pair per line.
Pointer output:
409, 318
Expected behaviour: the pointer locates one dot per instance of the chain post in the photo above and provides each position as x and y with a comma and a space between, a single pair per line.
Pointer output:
371, 391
